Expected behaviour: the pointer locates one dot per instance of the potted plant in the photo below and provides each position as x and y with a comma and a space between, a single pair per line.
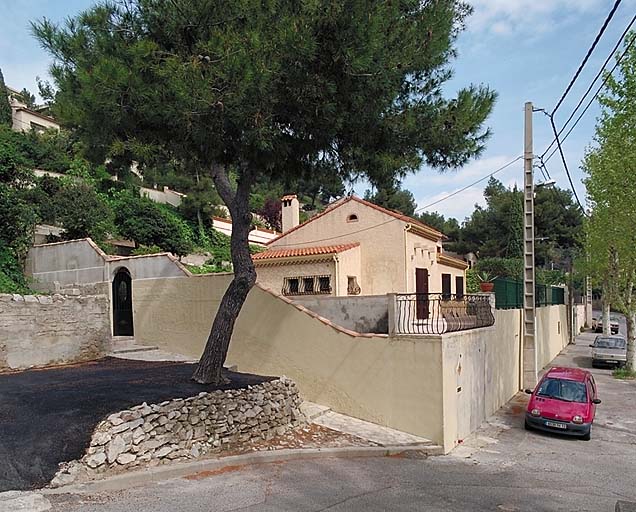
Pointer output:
486, 282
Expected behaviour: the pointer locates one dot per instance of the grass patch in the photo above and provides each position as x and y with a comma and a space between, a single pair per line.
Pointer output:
624, 373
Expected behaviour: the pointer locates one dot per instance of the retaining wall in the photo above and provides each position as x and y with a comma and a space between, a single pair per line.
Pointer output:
42, 330
189, 428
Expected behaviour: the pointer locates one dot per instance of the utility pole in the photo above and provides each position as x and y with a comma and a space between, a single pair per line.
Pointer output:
529, 345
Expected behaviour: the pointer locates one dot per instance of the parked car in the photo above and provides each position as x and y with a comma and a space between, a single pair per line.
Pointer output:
614, 324
563, 401
594, 323
609, 350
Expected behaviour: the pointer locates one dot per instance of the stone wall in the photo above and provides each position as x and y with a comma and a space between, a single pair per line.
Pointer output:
182, 429
42, 330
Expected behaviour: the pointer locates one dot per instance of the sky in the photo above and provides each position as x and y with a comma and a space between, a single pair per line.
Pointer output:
526, 50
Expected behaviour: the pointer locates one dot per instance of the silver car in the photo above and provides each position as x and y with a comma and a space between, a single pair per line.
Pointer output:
609, 350
614, 324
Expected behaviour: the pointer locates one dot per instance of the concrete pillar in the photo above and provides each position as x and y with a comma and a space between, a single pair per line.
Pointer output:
392, 308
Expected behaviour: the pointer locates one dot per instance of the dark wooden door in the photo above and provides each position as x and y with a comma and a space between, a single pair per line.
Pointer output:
421, 290
122, 304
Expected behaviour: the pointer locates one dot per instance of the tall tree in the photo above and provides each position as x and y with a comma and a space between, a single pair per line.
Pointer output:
611, 180
390, 194
250, 89
5, 106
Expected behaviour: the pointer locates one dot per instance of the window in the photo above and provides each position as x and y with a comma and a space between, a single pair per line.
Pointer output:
352, 218
459, 287
293, 285
446, 286
307, 285
352, 286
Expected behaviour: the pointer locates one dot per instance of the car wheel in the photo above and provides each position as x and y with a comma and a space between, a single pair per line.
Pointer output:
527, 425
594, 364
588, 435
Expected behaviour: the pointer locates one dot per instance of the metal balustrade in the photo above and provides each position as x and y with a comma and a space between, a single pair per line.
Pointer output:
437, 313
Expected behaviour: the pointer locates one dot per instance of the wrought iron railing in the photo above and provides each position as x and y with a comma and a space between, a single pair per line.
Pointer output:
436, 313
307, 285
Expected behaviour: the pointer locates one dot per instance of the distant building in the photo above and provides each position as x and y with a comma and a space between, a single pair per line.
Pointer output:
26, 119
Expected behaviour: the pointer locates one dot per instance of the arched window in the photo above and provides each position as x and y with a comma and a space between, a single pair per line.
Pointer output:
352, 218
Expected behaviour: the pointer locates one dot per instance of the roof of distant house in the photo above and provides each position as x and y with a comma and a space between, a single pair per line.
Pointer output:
397, 215
36, 113
304, 251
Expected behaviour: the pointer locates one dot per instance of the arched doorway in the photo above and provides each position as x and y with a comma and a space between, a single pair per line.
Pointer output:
122, 304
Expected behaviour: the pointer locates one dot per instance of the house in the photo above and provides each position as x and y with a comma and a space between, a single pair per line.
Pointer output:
26, 119
355, 247
258, 236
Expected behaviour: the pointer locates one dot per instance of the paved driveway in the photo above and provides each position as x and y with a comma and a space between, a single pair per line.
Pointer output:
502, 468
47, 416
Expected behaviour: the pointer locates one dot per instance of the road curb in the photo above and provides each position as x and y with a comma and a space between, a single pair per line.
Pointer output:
157, 473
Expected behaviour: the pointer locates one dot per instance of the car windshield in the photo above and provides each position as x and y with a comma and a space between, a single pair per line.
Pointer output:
561, 389
610, 343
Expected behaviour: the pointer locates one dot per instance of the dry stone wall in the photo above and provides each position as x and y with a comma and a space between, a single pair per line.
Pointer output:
189, 428
43, 330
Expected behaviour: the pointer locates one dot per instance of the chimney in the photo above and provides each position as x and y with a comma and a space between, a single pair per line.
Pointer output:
290, 212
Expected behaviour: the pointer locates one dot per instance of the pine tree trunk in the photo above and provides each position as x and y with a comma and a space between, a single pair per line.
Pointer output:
209, 369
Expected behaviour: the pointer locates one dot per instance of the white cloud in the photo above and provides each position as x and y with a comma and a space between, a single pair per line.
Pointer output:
507, 17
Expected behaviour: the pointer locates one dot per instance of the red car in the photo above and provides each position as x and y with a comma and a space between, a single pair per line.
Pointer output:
564, 401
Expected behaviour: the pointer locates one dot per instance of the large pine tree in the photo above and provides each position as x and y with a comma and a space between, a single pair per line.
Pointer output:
251, 89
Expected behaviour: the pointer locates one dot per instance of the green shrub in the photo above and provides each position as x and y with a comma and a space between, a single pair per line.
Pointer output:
624, 374
146, 249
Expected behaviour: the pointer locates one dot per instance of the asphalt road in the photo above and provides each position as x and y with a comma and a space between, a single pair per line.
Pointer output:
47, 416
502, 468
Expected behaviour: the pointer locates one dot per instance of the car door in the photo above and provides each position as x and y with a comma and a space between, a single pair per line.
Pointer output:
592, 396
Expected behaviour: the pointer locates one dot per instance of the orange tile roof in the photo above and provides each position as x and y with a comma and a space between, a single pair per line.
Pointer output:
303, 251
340, 202
289, 197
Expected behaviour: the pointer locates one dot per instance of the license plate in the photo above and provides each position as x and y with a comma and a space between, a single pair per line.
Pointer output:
555, 424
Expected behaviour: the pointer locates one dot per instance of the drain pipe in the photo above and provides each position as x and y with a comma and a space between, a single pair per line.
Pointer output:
336, 285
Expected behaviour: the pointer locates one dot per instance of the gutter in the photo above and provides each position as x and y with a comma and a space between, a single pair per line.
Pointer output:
406, 260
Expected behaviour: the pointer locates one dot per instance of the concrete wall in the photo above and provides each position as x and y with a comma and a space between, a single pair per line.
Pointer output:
82, 262
165, 196
439, 387
70, 262
482, 367
364, 314
47, 330
395, 382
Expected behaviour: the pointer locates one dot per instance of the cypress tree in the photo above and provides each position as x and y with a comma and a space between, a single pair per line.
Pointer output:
5, 107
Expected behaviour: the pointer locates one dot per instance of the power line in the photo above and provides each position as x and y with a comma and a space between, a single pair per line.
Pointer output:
588, 54
503, 167
471, 185
589, 104
565, 164
598, 75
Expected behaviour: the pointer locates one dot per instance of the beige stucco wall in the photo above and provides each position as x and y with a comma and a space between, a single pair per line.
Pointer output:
273, 277
482, 367
422, 253
393, 382
348, 264
439, 387
382, 250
